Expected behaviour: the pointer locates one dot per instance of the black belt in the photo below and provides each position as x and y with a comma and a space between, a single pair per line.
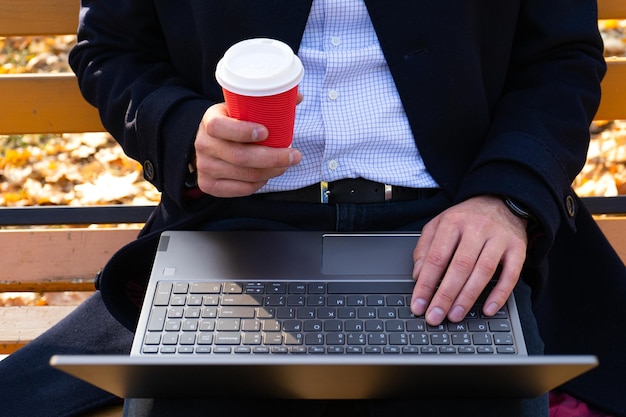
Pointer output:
355, 191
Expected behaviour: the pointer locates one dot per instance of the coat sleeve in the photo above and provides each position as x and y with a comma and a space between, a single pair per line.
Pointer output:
123, 65
539, 130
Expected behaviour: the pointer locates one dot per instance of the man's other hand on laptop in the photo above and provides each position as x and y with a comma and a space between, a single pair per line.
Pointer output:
458, 254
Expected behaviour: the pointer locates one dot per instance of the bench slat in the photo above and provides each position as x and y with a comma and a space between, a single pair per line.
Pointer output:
40, 260
19, 325
614, 228
45, 103
36, 17
612, 9
612, 105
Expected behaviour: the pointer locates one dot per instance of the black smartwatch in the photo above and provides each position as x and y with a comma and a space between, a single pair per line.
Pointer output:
517, 208
522, 212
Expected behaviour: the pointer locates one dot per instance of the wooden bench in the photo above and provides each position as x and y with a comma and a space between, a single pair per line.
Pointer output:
67, 258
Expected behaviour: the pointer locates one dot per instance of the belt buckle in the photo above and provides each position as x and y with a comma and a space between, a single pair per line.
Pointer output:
324, 192
388, 192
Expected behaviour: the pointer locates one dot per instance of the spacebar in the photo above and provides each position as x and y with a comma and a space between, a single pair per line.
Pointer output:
364, 287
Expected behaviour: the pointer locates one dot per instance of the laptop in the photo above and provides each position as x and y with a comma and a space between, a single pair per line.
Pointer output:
310, 315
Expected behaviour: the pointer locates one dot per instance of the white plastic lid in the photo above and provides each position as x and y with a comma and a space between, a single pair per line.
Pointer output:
259, 67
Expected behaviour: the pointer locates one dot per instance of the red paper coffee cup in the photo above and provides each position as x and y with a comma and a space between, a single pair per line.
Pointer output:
259, 78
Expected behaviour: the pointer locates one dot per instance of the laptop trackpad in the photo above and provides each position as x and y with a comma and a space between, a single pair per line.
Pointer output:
359, 254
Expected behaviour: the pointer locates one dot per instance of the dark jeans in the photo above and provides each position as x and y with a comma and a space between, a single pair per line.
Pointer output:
30, 388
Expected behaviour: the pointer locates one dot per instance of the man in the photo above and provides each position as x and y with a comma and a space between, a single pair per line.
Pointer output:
475, 113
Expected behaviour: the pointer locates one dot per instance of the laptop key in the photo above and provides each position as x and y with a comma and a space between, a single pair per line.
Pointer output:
261, 349
157, 319
227, 338
162, 294
275, 300
394, 325
346, 313
336, 300
205, 287
233, 288
335, 339
477, 325
467, 349
276, 288
152, 339
229, 325
440, 339
272, 338
180, 288
398, 339
298, 349
316, 288
241, 300
296, 300
236, 312
395, 300
150, 349
461, 339
296, 288
418, 339
355, 300
357, 339
509, 350
222, 349
416, 325
293, 339
499, 325
502, 339
377, 339
251, 339
481, 338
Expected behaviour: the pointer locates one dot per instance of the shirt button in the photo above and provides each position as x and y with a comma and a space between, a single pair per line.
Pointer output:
333, 94
335, 41
333, 164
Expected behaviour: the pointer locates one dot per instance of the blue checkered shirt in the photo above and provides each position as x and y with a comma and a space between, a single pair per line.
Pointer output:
351, 123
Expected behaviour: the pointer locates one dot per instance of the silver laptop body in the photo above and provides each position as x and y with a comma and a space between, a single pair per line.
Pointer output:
310, 315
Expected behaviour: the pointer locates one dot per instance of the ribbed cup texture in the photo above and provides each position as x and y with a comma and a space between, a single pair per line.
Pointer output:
276, 112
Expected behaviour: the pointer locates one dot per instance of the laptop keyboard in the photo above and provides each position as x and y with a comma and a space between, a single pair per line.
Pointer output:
339, 317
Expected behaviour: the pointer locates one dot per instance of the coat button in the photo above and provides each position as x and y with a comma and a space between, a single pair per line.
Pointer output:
570, 205
148, 170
